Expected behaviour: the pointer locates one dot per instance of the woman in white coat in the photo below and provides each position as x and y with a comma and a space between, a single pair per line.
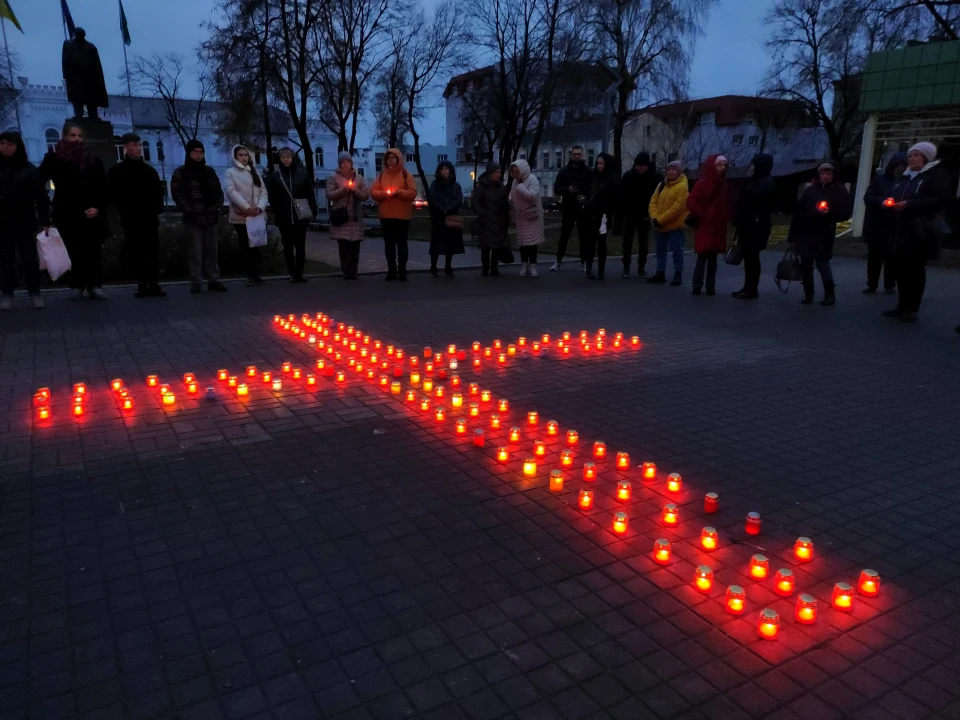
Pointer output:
527, 210
247, 196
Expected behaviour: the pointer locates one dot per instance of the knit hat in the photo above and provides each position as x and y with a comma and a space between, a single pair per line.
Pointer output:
129, 138
719, 159
492, 167
827, 166
194, 145
927, 149
642, 159
344, 156
675, 164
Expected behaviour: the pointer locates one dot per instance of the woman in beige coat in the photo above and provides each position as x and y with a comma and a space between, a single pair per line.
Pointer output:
247, 196
346, 191
527, 212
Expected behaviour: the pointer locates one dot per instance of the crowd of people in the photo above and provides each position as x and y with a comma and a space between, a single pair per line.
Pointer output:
904, 224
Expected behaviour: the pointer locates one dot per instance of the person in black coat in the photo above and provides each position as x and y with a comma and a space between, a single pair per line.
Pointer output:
288, 183
598, 209
572, 183
814, 228
490, 202
638, 185
136, 192
879, 225
446, 237
751, 218
24, 206
919, 198
79, 208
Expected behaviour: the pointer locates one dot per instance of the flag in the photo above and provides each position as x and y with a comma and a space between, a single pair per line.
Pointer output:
124, 28
67, 19
6, 12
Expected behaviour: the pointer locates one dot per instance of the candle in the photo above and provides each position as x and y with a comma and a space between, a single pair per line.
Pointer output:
661, 551
556, 481
869, 583
566, 458
529, 466
478, 438
221, 375
514, 434
461, 427
440, 415
806, 611
425, 405
783, 582
485, 396
152, 381
168, 399
759, 567
497, 344
395, 388
503, 455
411, 396
671, 515
552, 428
503, 406
674, 482
117, 384
539, 448
573, 437
842, 596
736, 599
753, 523
311, 380
709, 539
623, 491
711, 502
589, 471
703, 578
495, 421
649, 471
251, 370
620, 523
267, 378
192, 388
43, 412
803, 549
277, 384
768, 624
889, 202
232, 381
474, 410
599, 450
623, 460
585, 499
533, 418
456, 400
287, 366
823, 205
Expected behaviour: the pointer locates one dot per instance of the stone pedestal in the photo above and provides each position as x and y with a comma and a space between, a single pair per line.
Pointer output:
98, 137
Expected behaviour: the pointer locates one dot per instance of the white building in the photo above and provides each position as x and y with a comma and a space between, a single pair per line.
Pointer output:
43, 109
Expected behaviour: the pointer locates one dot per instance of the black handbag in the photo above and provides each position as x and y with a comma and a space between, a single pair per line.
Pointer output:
933, 232
734, 255
339, 216
505, 256
788, 270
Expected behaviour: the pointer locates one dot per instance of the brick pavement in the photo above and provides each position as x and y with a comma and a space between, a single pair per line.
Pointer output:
332, 553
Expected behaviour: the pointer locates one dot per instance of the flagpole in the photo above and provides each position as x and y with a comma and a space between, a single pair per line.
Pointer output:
126, 65
13, 87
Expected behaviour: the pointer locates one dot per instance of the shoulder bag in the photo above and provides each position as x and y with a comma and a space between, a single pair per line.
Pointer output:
734, 256
454, 222
788, 270
301, 206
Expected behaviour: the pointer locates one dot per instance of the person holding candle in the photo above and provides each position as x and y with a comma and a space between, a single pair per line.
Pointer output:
346, 191
711, 203
527, 213
814, 227
248, 198
197, 192
879, 226
638, 185
751, 217
79, 208
136, 192
288, 187
24, 206
491, 204
446, 225
668, 213
598, 206
920, 196
395, 190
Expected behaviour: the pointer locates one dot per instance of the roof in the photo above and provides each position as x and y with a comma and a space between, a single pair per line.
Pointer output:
573, 73
460, 81
151, 112
728, 109
572, 132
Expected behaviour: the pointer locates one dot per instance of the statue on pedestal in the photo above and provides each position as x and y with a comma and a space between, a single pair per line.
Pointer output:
83, 75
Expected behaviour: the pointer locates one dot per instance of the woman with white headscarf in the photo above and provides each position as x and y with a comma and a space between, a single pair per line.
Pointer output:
918, 200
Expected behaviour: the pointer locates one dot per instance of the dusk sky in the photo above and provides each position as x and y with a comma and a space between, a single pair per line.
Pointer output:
730, 58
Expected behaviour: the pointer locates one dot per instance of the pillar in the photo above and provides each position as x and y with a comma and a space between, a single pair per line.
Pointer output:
864, 172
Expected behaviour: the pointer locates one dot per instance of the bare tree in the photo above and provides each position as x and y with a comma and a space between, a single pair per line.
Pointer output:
163, 77
937, 18
9, 92
647, 46
389, 99
435, 47
353, 38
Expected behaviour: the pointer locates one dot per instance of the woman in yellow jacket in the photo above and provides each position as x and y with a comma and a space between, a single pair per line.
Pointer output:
668, 214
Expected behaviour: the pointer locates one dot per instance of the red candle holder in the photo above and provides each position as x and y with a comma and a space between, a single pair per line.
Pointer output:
440, 415
661, 551
473, 389
311, 380
573, 437
768, 624
759, 567
599, 450
529, 466
43, 412
461, 427
503, 454
497, 344
623, 491
232, 381
589, 471
711, 503
427, 352
806, 609
539, 448
553, 429
674, 482
556, 481
478, 438
783, 582
736, 600
251, 371
843, 597
703, 578
649, 471
533, 418
494, 422
395, 388
671, 514
620, 522
474, 410
566, 458
623, 461
425, 405
514, 435
803, 549
753, 523
869, 583
709, 539
503, 406
411, 396
535, 347
153, 381
585, 499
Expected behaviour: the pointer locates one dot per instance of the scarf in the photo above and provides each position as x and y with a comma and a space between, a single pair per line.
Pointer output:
74, 153
194, 171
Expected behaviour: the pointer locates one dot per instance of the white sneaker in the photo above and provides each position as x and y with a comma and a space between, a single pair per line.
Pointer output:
6, 303
524, 269
583, 267
98, 294
556, 266
532, 272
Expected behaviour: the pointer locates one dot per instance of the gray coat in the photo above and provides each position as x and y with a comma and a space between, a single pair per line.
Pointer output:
526, 206
489, 201
339, 195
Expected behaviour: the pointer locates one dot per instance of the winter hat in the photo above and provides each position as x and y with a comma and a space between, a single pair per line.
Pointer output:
719, 159
194, 145
129, 138
344, 156
675, 164
927, 149
826, 166
491, 168
642, 159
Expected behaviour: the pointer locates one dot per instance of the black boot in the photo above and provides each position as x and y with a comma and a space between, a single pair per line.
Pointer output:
657, 278
589, 269
807, 298
829, 297
677, 280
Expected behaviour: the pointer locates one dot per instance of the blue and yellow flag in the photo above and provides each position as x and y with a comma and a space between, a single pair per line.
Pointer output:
124, 28
6, 13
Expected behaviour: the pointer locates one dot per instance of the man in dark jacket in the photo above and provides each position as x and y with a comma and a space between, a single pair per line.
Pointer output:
814, 228
572, 184
751, 218
136, 192
638, 185
879, 226
196, 190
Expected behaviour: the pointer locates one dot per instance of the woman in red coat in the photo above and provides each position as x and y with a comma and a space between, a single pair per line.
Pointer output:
711, 203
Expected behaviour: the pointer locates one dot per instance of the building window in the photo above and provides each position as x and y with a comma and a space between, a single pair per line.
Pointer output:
119, 147
708, 118
441, 157
522, 156
378, 162
318, 158
546, 160
738, 140
754, 140
360, 172
410, 158
590, 153
533, 162
160, 156
647, 130
274, 156
559, 158
747, 119
52, 137
256, 157
146, 150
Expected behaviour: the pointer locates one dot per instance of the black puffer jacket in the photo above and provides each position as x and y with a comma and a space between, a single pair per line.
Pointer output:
751, 215
578, 176
24, 204
926, 195
489, 201
604, 196
880, 222
135, 191
813, 232
638, 188
77, 189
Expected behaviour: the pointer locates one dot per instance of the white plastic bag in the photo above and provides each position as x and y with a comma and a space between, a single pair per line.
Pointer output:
257, 230
53, 254
603, 225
